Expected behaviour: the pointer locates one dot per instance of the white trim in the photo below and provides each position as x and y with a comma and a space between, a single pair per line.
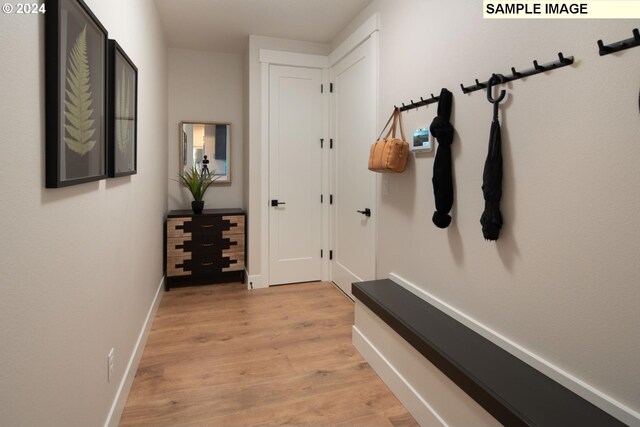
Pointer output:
404, 391
268, 58
278, 57
375, 49
326, 173
581, 388
255, 282
113, 417
355, 39
264, 171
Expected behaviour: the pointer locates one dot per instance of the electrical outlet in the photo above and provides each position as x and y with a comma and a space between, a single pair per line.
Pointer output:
109, 365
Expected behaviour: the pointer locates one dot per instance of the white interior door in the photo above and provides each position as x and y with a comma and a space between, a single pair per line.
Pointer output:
354, 110
295, 129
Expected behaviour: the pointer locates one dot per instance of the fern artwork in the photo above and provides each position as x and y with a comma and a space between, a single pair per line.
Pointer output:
80, 130
76, 46
123, 82
123, 120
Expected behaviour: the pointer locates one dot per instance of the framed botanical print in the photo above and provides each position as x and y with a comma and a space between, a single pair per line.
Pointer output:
122, 112
75, 94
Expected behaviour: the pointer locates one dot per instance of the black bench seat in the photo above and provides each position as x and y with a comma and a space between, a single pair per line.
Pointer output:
509, 389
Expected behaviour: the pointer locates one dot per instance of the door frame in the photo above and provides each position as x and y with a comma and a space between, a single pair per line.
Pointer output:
369, 29
372, 54
274, 57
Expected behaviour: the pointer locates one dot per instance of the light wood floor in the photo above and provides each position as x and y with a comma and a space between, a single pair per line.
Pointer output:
224, 356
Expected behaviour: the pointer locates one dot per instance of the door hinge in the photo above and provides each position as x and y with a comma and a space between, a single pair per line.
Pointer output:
321, 142
321, 253
331, 143
330, 254
321, 198
321, 88
331, 87
330, 199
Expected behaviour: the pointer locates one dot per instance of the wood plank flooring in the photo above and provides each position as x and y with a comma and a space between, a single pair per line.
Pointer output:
224, 356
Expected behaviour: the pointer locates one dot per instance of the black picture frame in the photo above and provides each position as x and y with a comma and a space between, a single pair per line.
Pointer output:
75, 94
122, 113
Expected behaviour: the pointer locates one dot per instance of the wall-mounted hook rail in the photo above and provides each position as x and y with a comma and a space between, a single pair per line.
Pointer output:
420, 103
562, 61
621, 45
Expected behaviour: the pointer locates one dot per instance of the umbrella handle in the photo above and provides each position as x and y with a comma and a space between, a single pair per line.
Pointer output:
495, 78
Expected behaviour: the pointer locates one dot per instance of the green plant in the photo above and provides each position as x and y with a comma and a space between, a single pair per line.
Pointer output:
78, 109
196, 182
123, 118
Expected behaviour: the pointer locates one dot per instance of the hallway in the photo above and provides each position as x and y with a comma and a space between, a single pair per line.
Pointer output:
222, 355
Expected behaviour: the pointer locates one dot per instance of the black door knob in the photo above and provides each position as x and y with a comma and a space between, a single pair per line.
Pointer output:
366, 212
275, 203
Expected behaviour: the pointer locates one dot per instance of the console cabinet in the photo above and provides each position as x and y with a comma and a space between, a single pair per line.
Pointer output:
205, 248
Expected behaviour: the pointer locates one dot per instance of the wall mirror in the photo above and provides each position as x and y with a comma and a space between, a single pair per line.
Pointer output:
206, 146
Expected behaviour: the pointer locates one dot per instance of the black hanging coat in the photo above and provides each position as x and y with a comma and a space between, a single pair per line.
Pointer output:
491, 219
442, 179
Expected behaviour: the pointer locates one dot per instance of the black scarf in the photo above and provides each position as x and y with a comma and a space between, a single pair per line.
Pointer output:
442, 173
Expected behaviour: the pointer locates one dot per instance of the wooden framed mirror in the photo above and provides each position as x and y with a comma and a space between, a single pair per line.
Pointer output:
206, 145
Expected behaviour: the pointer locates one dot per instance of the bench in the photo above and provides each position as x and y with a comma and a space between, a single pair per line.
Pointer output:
509, 389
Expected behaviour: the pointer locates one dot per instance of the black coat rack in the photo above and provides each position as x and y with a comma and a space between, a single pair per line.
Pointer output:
515, 75
621, 45
420, 103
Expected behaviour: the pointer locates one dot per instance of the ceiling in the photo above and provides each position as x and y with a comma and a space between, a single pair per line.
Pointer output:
225, 25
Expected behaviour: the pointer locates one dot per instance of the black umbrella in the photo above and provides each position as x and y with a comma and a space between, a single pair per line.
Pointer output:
442, 176
491, 219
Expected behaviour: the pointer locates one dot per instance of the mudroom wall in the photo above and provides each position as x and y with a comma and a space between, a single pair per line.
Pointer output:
562, 280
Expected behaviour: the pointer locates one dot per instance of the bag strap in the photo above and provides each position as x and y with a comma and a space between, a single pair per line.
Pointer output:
394, 124
385, 126
404, 138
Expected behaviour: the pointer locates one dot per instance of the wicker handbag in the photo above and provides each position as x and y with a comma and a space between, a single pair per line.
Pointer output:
389, 155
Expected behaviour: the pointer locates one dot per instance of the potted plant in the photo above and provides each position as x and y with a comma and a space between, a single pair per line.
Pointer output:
197, 183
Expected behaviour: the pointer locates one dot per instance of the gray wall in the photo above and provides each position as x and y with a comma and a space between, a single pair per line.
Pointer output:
206, 86
562, 281
80, 265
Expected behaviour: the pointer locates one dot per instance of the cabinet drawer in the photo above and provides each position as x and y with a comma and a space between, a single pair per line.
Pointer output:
216, 225
179, 227
235, 260
235, 225
179, 246
178, 266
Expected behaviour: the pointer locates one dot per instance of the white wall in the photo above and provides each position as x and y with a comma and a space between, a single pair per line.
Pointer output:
206, 86
254, 142
562, 281
79, 266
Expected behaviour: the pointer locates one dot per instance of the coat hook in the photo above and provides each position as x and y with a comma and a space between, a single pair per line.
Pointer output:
564, 60
413, 103
433, 97
516, 74
464, 89
421, 99
536, 66
403, 105
636, 34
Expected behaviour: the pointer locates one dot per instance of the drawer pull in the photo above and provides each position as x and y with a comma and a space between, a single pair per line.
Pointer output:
207, 226
206, 245
206, 263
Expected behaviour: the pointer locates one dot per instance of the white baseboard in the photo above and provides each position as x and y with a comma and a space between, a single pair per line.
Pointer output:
420, 409
255, 282
581, 388
113, 418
